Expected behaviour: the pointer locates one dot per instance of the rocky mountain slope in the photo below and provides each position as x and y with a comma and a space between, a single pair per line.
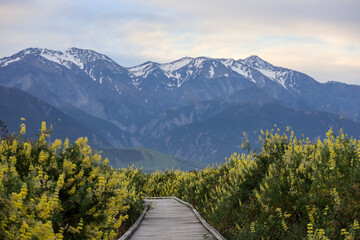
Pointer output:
16, 104
184, 107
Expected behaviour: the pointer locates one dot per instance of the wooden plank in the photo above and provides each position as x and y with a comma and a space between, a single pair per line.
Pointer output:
212, 230
170, 219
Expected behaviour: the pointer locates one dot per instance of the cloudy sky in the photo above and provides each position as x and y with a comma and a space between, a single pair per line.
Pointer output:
318, 37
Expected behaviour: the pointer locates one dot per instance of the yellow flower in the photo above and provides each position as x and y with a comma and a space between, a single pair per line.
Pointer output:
43, 127
60, 181
72, 190
56, 145
252, 227
22, 129
14, 146
43, 156
66, 143
27, 148
285, 227
356, 225
343, 231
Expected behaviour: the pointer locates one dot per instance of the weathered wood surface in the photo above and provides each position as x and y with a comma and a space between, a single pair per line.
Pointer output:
170, 219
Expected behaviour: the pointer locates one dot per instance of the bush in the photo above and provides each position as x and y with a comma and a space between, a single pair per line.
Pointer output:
60, 190
291, 189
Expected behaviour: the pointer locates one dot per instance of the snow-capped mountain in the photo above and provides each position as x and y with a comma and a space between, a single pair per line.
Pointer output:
154, 104
150, 77
85, 79
87, 61
178, 72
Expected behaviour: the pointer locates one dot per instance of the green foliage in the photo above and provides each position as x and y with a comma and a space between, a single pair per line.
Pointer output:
291, 189
61, 190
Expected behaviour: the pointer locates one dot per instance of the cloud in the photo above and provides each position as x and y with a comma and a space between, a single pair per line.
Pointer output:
319, 37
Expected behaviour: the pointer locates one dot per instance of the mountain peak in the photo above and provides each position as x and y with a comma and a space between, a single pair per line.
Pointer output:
176, 65
89, 55
142, 70
77, 56
185, 58
256, 62
73, 55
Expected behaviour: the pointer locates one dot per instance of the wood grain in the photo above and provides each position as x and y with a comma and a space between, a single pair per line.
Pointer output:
170, 219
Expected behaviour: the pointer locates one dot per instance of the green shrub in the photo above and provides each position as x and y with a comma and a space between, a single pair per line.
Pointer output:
60, 190
291, 189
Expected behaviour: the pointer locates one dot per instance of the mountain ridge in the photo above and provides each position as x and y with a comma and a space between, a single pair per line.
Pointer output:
83, 57
148, 105
16, 104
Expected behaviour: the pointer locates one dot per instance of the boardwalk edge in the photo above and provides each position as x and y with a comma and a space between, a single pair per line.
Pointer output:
212, 230
129, 232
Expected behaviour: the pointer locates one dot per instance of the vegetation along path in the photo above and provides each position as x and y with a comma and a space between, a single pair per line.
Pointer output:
171, 218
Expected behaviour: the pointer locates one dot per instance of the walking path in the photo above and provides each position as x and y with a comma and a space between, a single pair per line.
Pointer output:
170, 218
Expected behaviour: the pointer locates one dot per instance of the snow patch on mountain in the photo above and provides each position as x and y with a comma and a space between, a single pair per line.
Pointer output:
276, 76
268, 73
10, 61
211, 72
172, 75
142, 70
91, 75
62, 58
176, 65
237, 67
227, 62
280, 77
198, 61
117, 89
240, 70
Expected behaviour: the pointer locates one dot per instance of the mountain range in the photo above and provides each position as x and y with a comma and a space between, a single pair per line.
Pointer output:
192, 108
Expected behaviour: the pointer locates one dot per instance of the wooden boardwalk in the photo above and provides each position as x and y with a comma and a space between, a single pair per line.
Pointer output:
170, 218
